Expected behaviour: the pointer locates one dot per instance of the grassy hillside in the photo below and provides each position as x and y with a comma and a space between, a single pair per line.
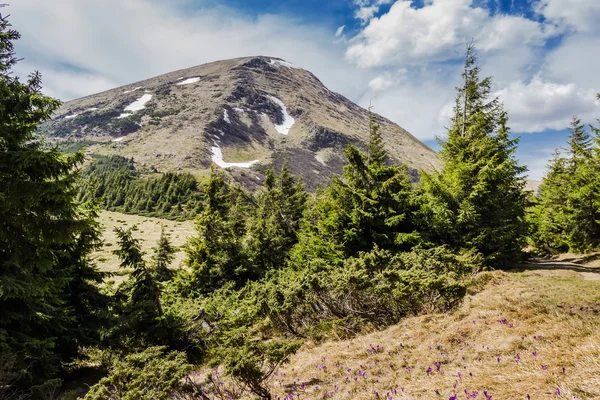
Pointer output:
148, 231
530, 332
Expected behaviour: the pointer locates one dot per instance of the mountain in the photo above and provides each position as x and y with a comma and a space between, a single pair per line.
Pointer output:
241, 114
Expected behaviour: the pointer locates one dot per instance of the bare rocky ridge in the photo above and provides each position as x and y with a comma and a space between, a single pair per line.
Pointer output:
241, 114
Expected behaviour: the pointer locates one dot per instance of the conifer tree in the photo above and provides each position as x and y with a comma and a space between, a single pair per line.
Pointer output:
477, 200
48, 303
214, 255
583, 217
566, 215
142, 308
273, 228
549, 213
163, 257
371, 204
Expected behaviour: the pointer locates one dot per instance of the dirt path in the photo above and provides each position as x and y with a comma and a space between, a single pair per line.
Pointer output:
588, 270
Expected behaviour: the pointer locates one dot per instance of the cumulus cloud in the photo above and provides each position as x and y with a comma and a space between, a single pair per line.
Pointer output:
579, 15
368, 8
438, 31
540, 105
82, 47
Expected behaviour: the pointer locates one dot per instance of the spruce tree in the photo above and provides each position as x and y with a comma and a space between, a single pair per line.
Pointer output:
371, 204
477, 200
567, 216
48, 302
583, 227
142, 309
549, 218
214, 255
273, 227
163, 257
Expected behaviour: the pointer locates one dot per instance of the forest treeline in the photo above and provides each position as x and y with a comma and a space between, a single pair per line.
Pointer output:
265, 270
116, 184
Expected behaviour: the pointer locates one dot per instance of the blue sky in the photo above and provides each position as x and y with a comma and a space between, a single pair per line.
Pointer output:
402, 56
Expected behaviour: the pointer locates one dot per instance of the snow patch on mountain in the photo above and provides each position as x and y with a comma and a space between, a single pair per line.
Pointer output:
137, 105
226, 116
288, 120
133, 90
217, 158
281, 63
189, 81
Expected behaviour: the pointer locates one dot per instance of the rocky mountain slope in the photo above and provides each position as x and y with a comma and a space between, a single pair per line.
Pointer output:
241, 114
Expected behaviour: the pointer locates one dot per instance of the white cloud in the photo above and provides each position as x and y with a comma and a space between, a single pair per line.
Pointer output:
540, 105
115, 42
367, 9
339, 31
576, 60
438, 31
579, 15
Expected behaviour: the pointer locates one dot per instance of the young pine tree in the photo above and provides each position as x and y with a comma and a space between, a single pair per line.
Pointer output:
163, 257
567, 216
215, 255
48, 303
273, 227
142, 309
583, 216
477, 201
371, 204
549, 221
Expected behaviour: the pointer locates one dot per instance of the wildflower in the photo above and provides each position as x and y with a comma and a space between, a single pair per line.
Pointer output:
545, 367
498, 359
428, 370
557, 392
453, 397
487, 395
517, 358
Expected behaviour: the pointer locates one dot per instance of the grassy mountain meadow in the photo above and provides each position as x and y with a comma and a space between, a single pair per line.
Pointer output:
443, 279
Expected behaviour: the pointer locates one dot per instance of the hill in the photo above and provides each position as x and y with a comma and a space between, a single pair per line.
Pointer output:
242, 114
522, 334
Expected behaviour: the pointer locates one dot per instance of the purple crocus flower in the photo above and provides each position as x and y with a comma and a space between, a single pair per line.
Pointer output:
487, 395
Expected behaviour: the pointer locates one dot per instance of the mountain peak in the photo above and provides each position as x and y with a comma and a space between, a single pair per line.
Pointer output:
241, 114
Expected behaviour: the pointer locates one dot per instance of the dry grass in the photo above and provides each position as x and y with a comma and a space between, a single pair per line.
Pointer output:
534, 332
148, 231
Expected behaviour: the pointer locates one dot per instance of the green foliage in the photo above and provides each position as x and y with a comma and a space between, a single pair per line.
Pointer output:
566, 215
152, 374
241, 236
116, 184
163, 257
376, 287
371, 204
49, 305
140, 318
477, 201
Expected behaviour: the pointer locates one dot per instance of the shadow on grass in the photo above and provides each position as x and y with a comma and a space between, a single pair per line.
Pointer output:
536, 264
